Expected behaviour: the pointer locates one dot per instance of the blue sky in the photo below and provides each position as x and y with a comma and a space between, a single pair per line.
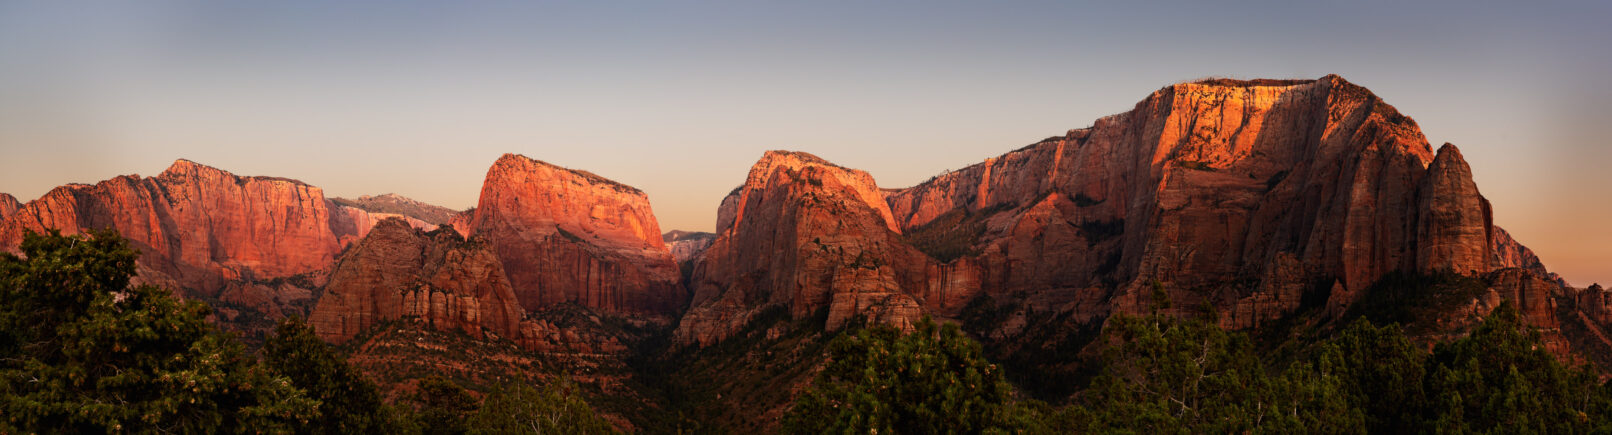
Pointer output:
678, 99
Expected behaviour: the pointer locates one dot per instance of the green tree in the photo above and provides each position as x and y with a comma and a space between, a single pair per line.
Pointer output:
932, 380
1381, 373
82, 351
443, 407
1160, 374
1501, 379
348, 403
519, 408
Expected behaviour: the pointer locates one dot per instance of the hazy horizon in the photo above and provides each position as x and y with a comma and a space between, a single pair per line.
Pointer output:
419, 98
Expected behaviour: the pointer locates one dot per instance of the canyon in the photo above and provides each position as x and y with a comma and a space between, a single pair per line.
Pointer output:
1260, 204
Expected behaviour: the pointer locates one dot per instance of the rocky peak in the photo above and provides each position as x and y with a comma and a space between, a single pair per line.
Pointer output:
204, 232
1454, 228
399, 271
779, 169
805, 235
8, 206
566, 235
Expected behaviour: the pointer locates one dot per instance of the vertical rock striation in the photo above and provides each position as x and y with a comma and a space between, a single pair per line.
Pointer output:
569, 236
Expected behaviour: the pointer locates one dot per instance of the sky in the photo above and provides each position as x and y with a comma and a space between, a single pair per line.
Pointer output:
679, 99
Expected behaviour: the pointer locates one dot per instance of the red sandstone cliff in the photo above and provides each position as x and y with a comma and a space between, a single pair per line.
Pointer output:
805, 235
444, 282
8, 206
571, 236
1246, 196
208, 233
400, 271
686, 245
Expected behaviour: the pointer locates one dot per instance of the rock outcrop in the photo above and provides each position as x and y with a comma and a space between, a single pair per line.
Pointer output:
445, 282
394, 204
1454, 223
8, 206
1251, 197
1510, 253
197, 227
808, 236
399, 271
686, 245
569, 236
1291, 189
241, 243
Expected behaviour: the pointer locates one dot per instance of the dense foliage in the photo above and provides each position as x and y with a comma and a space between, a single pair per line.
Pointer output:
1189, 376
521, 408
82, 351
347, 402
932, 380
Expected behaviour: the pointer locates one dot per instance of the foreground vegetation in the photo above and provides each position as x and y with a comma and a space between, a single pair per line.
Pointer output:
82, 351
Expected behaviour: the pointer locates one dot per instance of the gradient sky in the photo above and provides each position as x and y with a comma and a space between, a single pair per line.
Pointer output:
419, 98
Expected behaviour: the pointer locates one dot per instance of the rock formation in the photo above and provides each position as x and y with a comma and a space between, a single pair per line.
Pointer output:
1510, 253
1291, 188
399, 271
1250, 197
805, 235
207, 233
394, 204
686, 245
8, 206
568, 236
197, 227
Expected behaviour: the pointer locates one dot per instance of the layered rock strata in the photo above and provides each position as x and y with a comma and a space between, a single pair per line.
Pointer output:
569, 236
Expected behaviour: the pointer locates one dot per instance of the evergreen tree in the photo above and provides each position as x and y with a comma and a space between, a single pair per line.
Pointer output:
443, 407
82, 351
932, 380
1501, 379
348, 403
518, 408
1381, 374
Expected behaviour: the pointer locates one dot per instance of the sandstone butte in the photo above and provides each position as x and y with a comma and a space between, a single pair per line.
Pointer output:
569, 236
542, 236
1247, 196
206, 232
442, 280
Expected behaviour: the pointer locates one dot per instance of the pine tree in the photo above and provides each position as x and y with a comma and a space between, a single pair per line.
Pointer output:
85, 352
932, 380
348, 403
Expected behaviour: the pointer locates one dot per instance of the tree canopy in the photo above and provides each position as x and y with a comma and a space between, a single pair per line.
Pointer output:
82, 351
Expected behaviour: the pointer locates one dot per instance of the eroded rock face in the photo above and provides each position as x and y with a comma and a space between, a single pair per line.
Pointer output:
809, 236
8, 206
686, 245
198, 227
1508, 252
568, 236
392, 204
1288, 188
1454, 222
399, 271
1252, 197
